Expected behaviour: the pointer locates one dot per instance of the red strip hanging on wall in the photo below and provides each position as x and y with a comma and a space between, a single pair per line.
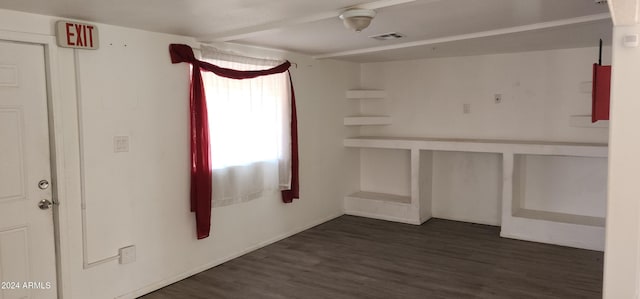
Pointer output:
601, 91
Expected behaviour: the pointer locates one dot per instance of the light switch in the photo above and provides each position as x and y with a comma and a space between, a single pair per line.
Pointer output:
120, 144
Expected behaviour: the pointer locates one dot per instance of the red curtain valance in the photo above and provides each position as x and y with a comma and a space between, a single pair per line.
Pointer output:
200, 147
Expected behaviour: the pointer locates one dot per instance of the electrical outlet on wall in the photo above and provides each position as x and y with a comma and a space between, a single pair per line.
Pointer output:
127, 254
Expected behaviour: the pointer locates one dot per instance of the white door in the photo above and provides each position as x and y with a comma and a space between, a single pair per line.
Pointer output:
27, 250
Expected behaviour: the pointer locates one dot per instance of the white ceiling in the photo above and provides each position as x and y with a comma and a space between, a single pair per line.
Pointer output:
433, 28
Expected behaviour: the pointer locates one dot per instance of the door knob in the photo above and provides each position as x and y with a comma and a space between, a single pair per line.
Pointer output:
45, 204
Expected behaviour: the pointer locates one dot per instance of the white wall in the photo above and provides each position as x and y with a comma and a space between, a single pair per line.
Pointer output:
465, 187
622, 262
129, 87
540, 91
557, 184
374, 177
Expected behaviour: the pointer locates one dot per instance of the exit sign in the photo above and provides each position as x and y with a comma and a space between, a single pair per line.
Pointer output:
77, 35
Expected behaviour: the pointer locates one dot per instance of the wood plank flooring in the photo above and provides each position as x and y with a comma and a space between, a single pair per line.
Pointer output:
353, 257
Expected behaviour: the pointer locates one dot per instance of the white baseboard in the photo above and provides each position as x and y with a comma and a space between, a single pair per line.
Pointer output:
163, 283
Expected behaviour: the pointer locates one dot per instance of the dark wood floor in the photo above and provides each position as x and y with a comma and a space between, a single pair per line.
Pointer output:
352, 257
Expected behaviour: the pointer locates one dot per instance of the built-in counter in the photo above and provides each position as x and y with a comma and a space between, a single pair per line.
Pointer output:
517, 221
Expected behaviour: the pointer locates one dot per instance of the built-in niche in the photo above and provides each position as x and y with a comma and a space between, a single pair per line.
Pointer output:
560, 188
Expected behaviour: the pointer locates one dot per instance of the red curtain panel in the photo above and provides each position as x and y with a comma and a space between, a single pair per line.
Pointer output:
201, 183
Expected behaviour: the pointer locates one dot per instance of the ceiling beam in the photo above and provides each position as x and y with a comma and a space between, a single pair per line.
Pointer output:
516, 29
259, 29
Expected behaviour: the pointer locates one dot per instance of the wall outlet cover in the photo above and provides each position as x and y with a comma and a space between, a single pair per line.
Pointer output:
120, 144
466, 108
127, 254
630, 40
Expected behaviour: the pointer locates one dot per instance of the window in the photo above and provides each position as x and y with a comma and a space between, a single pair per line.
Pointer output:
249, 122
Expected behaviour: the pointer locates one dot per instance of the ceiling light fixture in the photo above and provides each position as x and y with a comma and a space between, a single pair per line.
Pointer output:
357, 18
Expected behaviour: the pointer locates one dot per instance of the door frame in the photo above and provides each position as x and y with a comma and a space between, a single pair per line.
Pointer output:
55, 112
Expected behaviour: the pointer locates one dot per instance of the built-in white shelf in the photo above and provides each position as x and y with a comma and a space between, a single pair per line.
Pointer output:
361, 118
560, 229
391, 198
584, 121
560, 217
482, 146
381, 206
367, 120
366, 94
541, 226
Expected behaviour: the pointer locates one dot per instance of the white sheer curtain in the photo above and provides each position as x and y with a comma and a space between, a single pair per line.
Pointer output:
249, 123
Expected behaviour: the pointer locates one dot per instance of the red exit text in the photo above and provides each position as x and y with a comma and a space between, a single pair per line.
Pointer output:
76, 35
